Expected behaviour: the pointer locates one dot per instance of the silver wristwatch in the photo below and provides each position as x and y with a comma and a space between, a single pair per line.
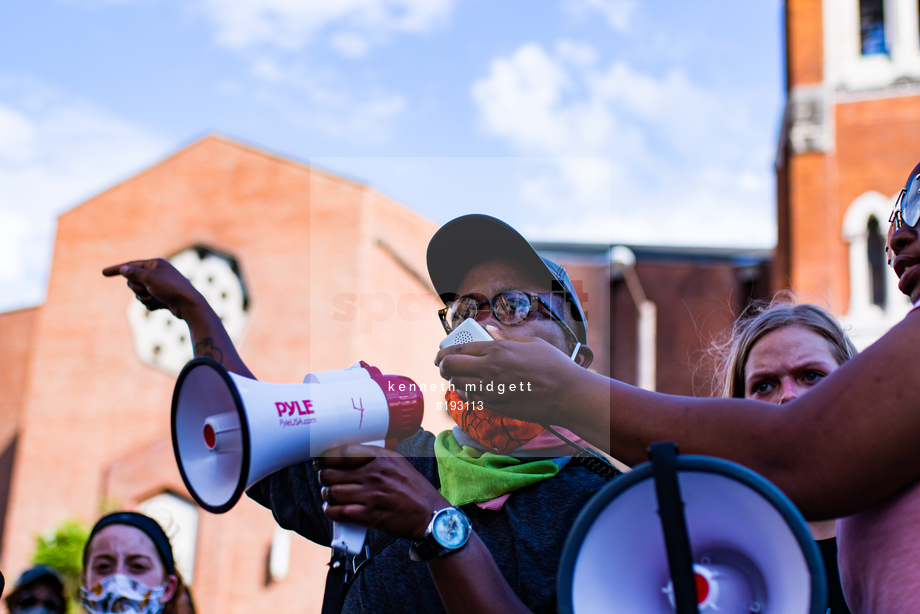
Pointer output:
447, 532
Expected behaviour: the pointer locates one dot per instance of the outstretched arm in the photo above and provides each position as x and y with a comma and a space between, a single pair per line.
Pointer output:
158, 285
845, 446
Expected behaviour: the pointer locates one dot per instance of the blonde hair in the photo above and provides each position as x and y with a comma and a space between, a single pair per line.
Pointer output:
763, 317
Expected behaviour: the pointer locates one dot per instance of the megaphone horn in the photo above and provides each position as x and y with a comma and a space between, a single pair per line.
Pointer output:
690, 534
231, 431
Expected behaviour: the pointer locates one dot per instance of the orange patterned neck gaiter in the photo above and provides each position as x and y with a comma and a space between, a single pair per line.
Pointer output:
494, 431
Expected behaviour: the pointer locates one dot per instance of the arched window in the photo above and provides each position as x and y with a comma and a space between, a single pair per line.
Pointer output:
876, 304
875, 252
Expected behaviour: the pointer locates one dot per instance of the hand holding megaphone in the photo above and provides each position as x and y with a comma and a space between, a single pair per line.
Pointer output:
231, 431
377, 487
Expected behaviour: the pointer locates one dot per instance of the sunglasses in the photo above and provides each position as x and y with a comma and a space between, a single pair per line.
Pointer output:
511, 307
906, 210
29, 601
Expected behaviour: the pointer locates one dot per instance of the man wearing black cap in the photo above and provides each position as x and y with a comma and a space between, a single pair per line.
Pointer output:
38, 590
470, 520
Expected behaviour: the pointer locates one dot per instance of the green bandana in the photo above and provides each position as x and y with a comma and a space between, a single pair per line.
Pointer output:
468, 475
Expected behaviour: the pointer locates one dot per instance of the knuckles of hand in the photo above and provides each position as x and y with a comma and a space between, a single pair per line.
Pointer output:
388, 501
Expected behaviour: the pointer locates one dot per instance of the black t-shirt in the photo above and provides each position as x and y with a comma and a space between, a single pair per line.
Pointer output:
525, 536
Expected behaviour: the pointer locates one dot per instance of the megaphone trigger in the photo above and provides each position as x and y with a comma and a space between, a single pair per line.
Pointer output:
348, 537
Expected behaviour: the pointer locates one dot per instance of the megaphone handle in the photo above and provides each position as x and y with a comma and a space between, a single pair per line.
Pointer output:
674, 526
348, 537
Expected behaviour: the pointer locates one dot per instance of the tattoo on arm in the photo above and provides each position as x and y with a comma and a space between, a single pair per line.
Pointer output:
206, 348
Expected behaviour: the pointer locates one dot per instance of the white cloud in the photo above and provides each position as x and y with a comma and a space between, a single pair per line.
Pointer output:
658, 157
319, 101
350, 44
94, 4
270, 34
68, 150
616, 12
292, 24
14, 228
17, 135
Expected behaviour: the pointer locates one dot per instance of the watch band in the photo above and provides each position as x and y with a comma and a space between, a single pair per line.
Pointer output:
428, 548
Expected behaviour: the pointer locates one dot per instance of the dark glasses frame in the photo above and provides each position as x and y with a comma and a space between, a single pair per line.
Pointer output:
897, 212
532, 296
913, 205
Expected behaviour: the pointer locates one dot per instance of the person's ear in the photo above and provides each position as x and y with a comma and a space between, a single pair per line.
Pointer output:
172, 582
584, 357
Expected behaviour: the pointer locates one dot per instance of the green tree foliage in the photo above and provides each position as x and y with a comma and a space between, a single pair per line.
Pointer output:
62, 550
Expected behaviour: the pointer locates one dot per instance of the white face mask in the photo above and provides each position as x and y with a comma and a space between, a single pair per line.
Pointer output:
120, 594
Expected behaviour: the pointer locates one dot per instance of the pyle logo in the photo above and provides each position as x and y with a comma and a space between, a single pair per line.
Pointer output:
289, 408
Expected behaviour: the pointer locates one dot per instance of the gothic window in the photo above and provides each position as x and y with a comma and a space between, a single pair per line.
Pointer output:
874, 296
872, 27
875, 251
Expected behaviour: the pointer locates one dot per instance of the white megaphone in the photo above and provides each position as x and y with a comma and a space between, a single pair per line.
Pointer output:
690, 534
231, 431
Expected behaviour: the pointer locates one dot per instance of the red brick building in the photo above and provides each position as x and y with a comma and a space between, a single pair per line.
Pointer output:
850, 133
333, 271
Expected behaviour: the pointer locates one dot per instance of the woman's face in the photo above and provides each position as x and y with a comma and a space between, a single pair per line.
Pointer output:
785, 363
123, 549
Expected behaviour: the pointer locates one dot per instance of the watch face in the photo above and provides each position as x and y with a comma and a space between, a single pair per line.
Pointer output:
451, 529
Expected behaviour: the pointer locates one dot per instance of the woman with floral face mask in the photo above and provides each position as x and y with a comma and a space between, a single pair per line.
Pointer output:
128, 568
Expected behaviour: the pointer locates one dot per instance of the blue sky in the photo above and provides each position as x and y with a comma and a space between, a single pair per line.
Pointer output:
579, 120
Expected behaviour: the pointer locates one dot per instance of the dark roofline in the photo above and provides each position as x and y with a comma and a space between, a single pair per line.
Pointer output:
734, 256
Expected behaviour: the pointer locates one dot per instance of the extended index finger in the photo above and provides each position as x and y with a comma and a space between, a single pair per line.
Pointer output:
112, 271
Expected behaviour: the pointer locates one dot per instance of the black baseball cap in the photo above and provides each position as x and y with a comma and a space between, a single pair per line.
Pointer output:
39, 572
462, 243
